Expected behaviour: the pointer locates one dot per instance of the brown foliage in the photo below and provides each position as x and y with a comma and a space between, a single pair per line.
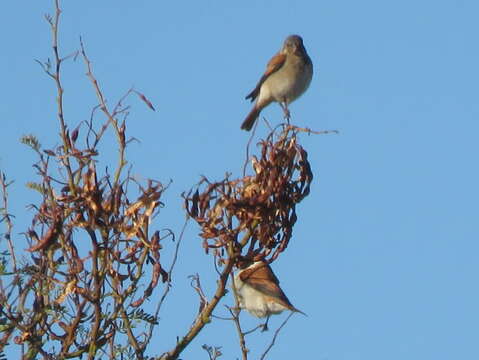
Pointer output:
261, 207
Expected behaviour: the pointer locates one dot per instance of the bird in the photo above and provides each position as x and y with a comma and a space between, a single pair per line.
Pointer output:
259, 292
288, 75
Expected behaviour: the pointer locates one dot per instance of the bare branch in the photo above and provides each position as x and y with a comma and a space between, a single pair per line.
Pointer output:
204, 316
276, 333
7, 218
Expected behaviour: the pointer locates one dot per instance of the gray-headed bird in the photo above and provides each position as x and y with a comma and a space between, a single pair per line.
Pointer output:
288, 75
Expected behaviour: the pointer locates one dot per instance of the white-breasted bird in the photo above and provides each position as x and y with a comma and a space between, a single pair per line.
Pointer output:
259, 292
287, 76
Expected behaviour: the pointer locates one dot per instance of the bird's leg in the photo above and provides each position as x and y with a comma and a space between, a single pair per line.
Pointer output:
265, 326
284, 106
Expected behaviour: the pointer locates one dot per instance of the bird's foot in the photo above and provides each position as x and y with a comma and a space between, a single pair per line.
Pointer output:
265, 325
286, 113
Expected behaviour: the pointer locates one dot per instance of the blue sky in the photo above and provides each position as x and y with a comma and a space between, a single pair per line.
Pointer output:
385, 254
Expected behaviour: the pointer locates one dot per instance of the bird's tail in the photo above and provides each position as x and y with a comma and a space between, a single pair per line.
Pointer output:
250, 119
298, 311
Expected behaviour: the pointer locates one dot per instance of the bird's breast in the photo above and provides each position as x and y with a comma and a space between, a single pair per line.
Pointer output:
290, 82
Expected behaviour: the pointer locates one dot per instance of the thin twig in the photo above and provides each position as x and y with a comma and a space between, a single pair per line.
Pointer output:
120, 131
310, 131
170, 271
248, 144
273, 340
235, 314
57, 76
7, 218
196, 284
259, 326
236, 318
268, 124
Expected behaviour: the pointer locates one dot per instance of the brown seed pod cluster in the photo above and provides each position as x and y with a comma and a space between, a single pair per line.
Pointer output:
95, 255
253, 216
118, 230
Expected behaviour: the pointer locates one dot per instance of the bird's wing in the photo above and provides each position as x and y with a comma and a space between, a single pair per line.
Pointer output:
262, 279
274, 65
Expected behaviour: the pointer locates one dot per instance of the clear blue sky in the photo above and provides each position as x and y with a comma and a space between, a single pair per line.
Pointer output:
385, 254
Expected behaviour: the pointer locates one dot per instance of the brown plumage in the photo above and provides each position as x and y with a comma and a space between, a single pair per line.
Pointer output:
259, 291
